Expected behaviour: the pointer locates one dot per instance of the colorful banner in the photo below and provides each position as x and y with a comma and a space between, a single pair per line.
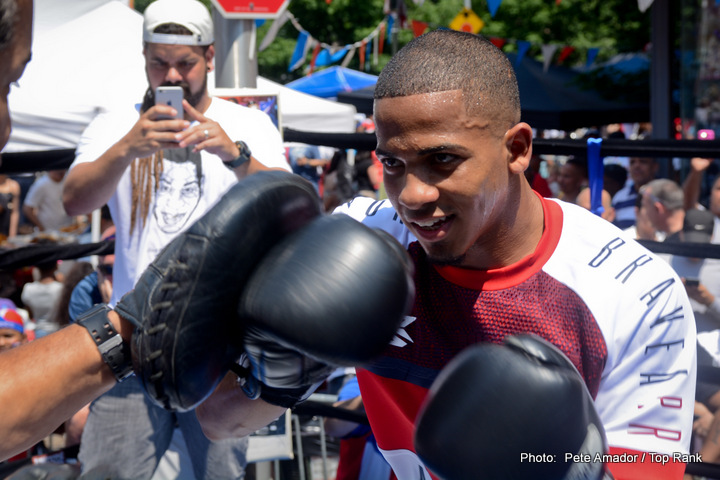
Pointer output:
301, 49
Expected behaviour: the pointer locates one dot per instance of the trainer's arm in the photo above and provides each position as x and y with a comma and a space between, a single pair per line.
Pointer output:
229, 413
44, 382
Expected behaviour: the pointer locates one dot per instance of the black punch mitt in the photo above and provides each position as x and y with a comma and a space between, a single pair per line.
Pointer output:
185, 303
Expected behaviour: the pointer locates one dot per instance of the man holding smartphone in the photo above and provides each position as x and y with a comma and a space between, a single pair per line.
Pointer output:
159, 174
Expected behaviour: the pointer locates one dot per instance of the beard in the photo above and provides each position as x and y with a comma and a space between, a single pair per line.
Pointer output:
447, 261
441, 258
192, 98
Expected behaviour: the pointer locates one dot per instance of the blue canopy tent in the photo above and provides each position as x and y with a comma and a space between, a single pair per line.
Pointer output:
329, 82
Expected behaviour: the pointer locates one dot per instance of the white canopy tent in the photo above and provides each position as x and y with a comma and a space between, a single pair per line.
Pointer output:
87, 58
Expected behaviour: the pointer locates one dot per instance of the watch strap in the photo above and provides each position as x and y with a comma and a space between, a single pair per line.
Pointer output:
242, 158
115, 352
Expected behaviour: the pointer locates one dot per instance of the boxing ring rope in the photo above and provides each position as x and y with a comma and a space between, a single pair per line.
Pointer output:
28, 162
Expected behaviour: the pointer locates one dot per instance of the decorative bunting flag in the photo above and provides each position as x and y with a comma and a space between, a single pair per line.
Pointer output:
368, 48
390, 24
402, 14
322, 59
348, 57
564, 53
591, 54
644, 4
301, 49
362, 55
274, 29
498, 42
337, 56
523, 47
418, 27
316, 52
547, 52
381, 40
376, 50
493, 6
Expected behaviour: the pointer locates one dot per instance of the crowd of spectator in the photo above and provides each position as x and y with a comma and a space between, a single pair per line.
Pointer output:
633, 198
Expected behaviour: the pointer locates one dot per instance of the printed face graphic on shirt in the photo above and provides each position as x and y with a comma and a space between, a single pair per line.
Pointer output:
178, 194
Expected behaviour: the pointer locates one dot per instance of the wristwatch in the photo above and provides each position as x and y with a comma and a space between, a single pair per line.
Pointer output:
244, 156
115, 352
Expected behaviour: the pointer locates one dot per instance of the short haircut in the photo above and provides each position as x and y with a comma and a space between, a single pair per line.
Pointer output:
8, 18
445, 60
616, 172
581, 164
667, 192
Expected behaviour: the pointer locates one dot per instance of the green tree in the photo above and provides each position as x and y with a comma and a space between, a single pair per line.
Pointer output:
613, 26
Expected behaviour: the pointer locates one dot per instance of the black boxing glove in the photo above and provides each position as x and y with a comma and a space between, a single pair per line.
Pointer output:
510, 411
331, 294
185, 303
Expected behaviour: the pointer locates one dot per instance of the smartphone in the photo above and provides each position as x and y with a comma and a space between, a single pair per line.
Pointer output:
692, 282
172, 96
706, 134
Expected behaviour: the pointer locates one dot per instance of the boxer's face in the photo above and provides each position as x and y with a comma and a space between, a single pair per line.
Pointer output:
13, 59
447, 173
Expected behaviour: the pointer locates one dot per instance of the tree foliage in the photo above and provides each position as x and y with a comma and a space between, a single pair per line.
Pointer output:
613, 26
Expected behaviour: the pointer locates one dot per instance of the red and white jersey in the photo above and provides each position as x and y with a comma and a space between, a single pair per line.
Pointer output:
618, 312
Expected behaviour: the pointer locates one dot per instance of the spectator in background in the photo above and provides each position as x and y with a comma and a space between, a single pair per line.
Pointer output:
583, 199
536, 181
12, 330
642, 170
9, 206
61, 312
692, 187
662, 200
40, 297
552, 179
43, 205
367, 174
643, 228
614, 178
701, 277
306, 161
96, 287
572, 179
